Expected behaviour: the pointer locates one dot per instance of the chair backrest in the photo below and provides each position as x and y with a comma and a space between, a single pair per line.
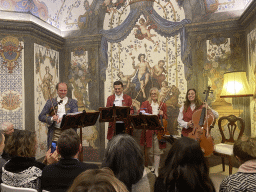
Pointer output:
232, 126
8, 188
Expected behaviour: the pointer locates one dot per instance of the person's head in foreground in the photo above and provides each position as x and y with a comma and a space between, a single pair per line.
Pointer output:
185, 168
125, 158
68, 144
22, 143
245, 149
97, 180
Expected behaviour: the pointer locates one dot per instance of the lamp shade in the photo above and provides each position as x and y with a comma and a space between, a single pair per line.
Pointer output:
236, 85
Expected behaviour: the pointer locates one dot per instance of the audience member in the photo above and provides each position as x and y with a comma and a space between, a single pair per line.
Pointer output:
59, 176
7, 129
2, 161
245, 178
125, 158
97, 180
185, 169
22, 170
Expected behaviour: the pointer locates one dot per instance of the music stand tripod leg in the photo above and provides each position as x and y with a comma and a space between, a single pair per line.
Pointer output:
145, 145
81, 154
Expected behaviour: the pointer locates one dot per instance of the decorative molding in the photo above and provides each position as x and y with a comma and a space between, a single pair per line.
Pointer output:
89, 40
26, 27
249, 15
214, 27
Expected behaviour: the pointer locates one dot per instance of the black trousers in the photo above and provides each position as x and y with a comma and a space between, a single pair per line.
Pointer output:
120, 128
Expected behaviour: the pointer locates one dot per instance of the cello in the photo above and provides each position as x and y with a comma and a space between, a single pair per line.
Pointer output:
202, 119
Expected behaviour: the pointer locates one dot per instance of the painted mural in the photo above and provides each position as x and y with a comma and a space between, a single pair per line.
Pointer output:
146, 59
81, 14
46, 76
251, 39
12, 81
79, 76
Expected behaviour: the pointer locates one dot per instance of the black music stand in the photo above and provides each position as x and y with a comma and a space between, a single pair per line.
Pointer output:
113, 114
79, 120
146, 122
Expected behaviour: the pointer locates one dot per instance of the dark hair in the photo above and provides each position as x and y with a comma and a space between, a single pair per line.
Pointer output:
97, 180
125, 158
57, 86
142, 54
21, 143
118, 83
68, 143
185, 168
245, 148
187, 103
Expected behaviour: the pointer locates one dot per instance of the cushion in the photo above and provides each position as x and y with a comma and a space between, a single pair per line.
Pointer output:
223, 148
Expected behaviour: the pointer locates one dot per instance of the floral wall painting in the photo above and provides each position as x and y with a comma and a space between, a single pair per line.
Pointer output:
11, 100
251, 39
79, 77
218, 49
46, 76
12, 81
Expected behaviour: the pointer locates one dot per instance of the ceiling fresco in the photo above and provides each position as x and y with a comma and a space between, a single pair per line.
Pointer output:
69, 15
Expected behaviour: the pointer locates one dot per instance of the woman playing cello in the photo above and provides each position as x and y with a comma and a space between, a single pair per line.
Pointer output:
191, 104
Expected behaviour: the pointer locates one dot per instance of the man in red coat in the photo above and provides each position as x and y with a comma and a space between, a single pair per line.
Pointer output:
155, 107
119, 99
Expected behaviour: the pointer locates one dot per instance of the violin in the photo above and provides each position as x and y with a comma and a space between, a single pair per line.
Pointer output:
164, 131
163, 122
202, 119
54, 109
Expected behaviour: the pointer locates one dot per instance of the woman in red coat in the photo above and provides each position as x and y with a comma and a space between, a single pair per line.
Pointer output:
155, 107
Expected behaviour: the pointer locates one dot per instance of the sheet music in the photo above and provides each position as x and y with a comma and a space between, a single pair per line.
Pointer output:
75, 113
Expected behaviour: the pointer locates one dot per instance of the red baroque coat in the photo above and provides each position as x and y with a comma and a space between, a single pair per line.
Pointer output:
149, 134
127, 101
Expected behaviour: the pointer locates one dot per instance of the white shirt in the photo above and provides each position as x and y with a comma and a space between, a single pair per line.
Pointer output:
155, 107
119, 102
61, 109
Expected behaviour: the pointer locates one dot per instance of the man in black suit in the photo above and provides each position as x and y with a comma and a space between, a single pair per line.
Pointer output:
60, 176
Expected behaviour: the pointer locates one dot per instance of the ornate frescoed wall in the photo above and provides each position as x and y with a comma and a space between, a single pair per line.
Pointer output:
12, 81
251, 39
147, 52
46, 76
82, 14
79, 77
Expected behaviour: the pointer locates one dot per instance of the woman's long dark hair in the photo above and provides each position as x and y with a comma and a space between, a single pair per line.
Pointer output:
185, 168
125, 158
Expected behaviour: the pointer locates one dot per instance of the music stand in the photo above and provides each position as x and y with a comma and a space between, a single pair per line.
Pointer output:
146, 122
113, 114
79, 120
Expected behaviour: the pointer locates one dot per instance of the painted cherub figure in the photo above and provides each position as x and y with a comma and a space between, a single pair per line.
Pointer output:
143, 30
165, 89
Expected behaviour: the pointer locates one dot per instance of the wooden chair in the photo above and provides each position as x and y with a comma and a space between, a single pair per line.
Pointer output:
225, 148
8, 188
